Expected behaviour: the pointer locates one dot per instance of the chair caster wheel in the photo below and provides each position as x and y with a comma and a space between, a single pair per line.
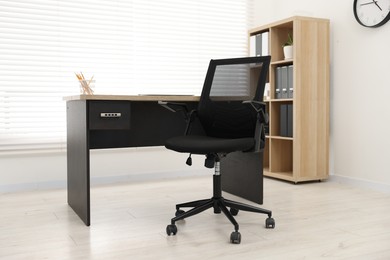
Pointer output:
171, 229
269, 223
179, 212
235, 237
234, 211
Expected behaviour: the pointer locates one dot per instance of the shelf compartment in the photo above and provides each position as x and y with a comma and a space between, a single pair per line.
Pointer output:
287, 176
279, 35
275, 110
281, 156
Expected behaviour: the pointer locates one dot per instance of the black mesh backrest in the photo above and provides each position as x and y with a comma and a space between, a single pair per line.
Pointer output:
228, 83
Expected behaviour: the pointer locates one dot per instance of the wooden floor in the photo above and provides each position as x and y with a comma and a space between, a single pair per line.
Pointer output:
317, 220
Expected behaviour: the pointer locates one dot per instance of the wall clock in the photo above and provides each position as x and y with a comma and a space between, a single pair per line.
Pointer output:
372, 13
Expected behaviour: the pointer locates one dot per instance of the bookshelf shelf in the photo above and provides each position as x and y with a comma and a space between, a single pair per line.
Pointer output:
303, 156
279, 137
282, 62
280, 100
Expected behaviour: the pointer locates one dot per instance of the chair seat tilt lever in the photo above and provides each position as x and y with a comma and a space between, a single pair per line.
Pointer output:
189, 160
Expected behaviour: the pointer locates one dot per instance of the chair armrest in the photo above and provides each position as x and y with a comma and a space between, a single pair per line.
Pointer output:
263, 119
259, 107
188, 116
175, 107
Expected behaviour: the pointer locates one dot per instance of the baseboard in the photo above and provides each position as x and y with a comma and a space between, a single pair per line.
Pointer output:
30, 186
150, 176
361, 183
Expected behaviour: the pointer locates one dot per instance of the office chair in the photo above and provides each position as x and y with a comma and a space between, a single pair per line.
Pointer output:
232, 118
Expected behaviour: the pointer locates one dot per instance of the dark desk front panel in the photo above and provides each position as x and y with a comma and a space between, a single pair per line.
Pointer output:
149, 124
109, 115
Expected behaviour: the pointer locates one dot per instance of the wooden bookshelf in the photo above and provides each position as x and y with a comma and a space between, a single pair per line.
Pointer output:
305, 156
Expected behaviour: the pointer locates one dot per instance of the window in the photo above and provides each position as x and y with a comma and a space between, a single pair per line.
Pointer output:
129, 47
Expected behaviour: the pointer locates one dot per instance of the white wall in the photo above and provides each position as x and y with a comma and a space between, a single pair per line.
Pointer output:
360, 113
360, 86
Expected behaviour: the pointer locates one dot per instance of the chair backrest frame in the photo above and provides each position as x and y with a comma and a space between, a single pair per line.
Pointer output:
226, 116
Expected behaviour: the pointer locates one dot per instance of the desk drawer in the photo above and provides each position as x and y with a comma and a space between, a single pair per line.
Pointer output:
109, 115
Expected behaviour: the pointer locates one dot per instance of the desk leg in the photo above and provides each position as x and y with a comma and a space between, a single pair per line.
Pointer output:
242, 175
78, 159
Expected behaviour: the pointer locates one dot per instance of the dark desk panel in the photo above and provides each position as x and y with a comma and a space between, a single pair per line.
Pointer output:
149, 124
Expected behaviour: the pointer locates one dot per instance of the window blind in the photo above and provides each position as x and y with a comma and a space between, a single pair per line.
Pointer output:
129, 47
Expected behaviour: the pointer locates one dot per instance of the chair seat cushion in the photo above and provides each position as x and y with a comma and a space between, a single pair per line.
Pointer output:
197, 144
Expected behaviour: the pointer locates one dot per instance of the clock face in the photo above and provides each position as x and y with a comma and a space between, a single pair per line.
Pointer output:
372, 13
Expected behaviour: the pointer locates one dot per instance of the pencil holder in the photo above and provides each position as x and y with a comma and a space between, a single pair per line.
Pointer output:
87, 87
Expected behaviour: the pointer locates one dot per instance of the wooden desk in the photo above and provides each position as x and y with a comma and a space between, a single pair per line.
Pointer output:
108, 121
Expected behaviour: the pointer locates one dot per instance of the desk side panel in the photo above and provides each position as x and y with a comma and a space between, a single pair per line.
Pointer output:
242, 175
78, 159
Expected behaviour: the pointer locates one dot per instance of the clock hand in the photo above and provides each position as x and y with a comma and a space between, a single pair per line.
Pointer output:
376, 3
367, 3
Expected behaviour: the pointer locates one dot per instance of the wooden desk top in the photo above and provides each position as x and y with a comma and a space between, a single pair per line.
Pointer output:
133, 98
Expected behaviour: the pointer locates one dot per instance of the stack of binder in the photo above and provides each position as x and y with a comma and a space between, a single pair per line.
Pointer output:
284, 82
259, 44
286, 120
